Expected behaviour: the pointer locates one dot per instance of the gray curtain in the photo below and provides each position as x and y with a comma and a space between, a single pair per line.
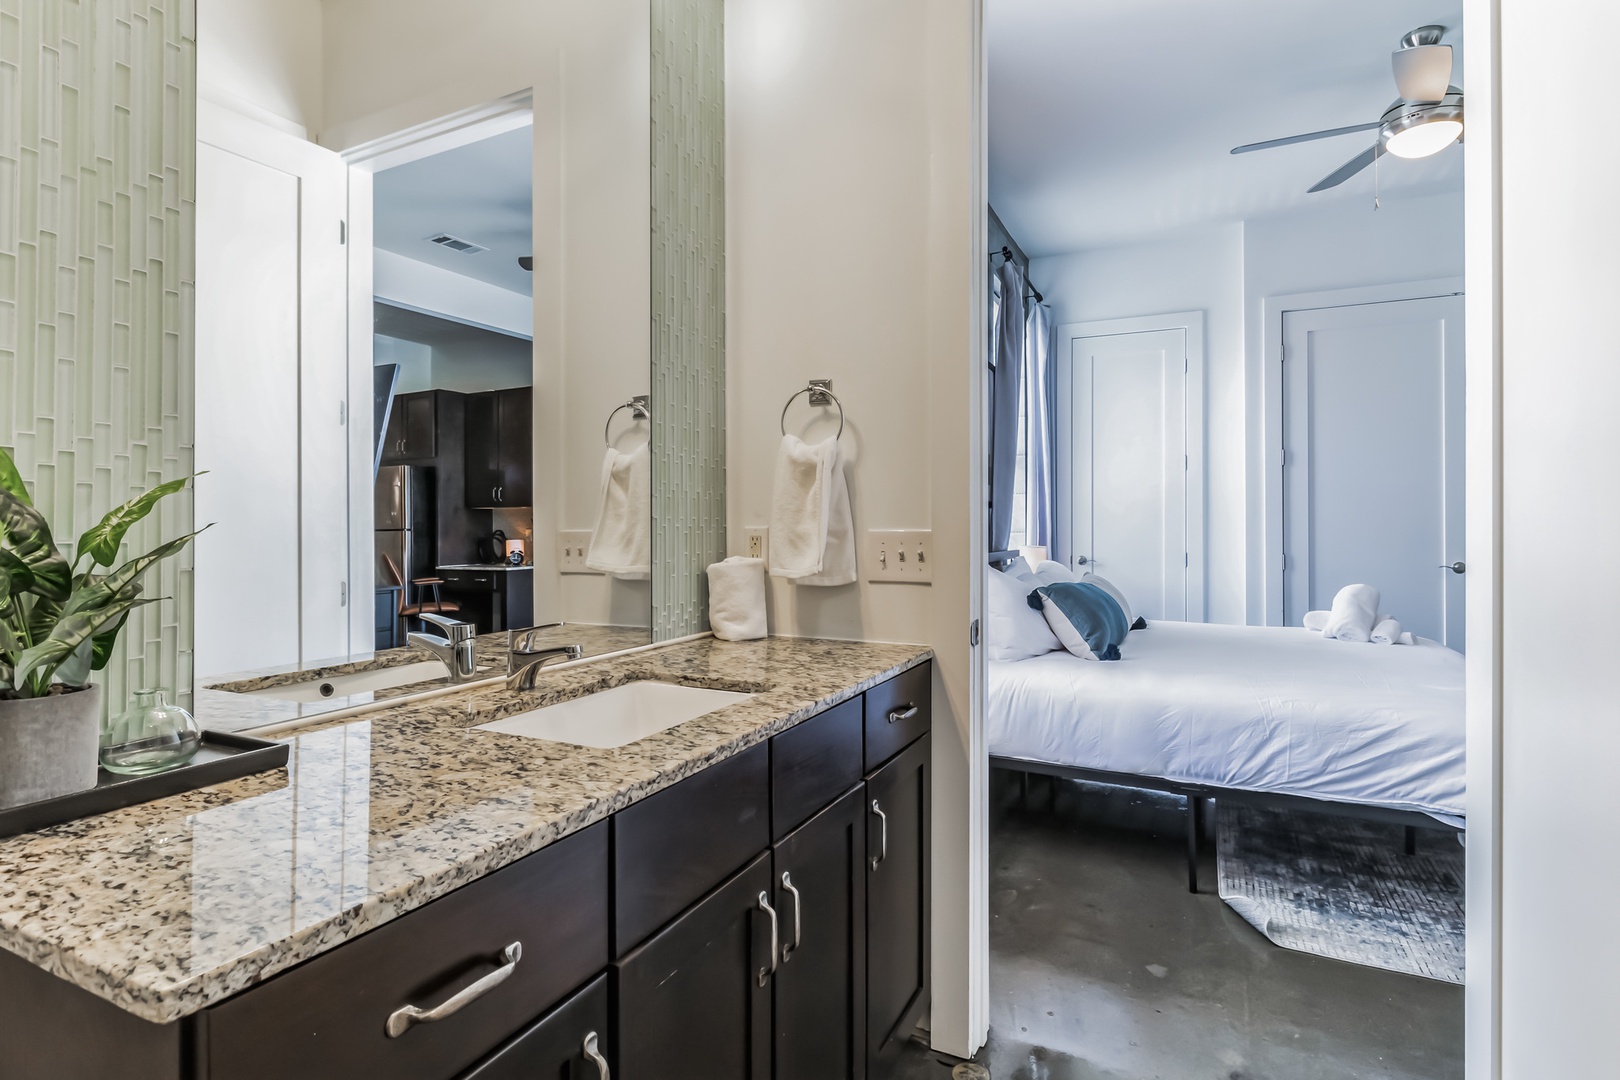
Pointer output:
1039, 487
1006, 381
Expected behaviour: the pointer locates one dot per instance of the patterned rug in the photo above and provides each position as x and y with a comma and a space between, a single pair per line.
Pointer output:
1345, 889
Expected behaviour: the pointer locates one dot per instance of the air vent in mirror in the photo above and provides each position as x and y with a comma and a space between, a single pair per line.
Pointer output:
456, 243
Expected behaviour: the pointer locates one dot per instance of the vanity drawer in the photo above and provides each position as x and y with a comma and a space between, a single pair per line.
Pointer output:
812, 764
329, 1016
897, 713
672, 848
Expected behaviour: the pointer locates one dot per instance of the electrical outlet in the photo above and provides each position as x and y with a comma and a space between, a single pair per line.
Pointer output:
755, 541
899, 555
572, 546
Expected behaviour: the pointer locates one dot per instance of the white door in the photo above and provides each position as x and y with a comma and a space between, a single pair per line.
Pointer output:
272, 575
1373, 459
1129, 466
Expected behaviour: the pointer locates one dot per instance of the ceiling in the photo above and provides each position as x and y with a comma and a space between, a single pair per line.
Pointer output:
481, 192
425, 329
1111, 120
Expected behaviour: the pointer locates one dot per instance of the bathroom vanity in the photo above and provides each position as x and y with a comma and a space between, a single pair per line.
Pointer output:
744, 894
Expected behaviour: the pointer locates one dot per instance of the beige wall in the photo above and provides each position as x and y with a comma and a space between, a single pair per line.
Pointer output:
853, 221
262, 58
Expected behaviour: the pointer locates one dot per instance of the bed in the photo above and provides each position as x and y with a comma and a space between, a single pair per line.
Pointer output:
1275, 715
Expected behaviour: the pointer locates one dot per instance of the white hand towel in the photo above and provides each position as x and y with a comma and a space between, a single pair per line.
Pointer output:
1407, 638
1316, 620
621, 544
1354, 611
812, 529
737, 599
1387, 632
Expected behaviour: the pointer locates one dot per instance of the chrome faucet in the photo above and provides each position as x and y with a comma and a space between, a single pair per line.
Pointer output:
524, 660
455, 650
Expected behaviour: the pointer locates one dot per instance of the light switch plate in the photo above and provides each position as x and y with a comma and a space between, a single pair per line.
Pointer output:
899, 555
572, 545
756, 542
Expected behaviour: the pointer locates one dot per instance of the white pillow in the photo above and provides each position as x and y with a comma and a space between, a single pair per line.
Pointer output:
1112, 590
1051, 573
1015, 630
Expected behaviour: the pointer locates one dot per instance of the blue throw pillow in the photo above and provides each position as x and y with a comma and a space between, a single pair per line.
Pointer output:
1088, 621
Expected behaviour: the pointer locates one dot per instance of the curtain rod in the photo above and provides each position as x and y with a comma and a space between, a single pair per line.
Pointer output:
1006, 253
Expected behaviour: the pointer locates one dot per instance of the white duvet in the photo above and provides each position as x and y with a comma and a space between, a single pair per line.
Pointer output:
1277, 709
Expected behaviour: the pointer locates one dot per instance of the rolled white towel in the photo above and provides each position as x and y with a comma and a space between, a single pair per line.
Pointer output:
1355, 610
1387, 632
1316, 620
737, 599
1407, 638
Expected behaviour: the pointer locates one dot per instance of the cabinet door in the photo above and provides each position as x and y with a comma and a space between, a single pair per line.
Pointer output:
820, 878
394, 438
483, 450
572, 1042
897, 849
421, 425
694, 1000
516, 409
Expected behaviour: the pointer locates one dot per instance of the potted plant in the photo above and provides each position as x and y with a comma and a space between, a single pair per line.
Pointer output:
58, 623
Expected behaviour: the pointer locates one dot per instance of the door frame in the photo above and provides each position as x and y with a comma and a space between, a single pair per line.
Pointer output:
1191, 323
1267, 548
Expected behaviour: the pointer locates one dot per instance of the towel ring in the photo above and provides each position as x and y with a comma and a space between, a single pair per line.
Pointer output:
815, 391
639, 410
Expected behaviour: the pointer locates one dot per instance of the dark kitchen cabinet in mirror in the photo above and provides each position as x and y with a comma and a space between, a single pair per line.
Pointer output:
500, 448
413, 426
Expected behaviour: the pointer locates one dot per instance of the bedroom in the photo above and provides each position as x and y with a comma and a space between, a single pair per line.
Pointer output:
1231, 397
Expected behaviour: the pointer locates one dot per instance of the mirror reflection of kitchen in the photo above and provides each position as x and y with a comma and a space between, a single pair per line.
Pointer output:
443, 546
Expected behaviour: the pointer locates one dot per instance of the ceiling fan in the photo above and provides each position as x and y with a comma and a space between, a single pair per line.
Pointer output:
1425, 119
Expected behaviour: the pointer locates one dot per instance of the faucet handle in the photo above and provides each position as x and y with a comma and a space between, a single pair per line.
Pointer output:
455, 631
522, 640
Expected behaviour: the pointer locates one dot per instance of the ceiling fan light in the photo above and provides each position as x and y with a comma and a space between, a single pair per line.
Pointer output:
1424, 139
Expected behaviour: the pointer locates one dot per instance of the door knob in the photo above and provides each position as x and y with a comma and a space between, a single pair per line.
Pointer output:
1080, 560
1457, 567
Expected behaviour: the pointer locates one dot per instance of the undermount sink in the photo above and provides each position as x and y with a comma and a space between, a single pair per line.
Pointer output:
361, 682
617, 717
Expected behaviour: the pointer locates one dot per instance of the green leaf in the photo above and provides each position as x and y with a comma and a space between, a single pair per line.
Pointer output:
75, 670
95, 591
102, 645
14, 572
101, 541
11, 480
36, 665
24, 532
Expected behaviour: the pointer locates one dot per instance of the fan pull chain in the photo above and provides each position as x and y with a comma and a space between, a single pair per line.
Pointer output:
1376, 156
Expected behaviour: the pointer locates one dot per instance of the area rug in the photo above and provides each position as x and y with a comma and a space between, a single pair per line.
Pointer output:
1345, 889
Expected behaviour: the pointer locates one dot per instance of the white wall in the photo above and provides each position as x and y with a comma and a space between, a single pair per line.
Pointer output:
1227, 271
588, 68
852, 220
1559, 868
262, 58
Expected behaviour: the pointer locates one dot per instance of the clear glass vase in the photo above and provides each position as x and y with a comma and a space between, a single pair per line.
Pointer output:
151, 735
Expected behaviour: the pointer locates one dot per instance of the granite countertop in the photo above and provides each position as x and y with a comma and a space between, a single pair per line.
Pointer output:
230, 702
166, 908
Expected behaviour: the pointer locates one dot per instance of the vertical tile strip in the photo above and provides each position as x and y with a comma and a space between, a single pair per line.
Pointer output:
688, 309
97, 177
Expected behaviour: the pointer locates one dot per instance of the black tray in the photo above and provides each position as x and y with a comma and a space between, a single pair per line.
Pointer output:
221, 757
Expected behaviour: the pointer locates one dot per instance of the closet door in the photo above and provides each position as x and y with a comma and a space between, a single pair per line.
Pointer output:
820, 881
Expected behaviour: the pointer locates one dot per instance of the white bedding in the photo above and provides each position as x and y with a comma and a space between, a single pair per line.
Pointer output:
1277, 709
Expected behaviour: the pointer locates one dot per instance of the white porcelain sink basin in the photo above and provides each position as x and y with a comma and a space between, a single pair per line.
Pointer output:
361, 682
619, 716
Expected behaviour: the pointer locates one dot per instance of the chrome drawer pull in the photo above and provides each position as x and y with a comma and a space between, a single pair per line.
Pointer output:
787, 950
883, 835
765, 906
595, 1055
400, 1020
902, 714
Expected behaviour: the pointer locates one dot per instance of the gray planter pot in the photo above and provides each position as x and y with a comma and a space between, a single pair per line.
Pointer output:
49, 746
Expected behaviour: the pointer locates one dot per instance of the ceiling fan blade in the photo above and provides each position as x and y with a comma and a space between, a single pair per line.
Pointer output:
1348, 169
1292, 139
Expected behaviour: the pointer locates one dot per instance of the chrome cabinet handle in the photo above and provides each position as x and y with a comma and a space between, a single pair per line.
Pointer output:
1458, 567
798, 905
765, 973
905, 713
400, 1020
596, 1058
883, 835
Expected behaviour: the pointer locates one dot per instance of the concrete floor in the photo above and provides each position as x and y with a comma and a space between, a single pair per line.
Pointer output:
1104, 967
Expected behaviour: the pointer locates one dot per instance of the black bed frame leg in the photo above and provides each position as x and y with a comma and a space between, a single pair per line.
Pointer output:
1195, 816
1411, 840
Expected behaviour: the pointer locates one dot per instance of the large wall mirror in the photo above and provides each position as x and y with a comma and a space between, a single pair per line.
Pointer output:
436, 360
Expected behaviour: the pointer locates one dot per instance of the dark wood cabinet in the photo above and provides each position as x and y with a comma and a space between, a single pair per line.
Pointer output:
413, 429
492, 599
500, 448
572, 1042
812, 764
820, 878
898, 797
694, 1000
